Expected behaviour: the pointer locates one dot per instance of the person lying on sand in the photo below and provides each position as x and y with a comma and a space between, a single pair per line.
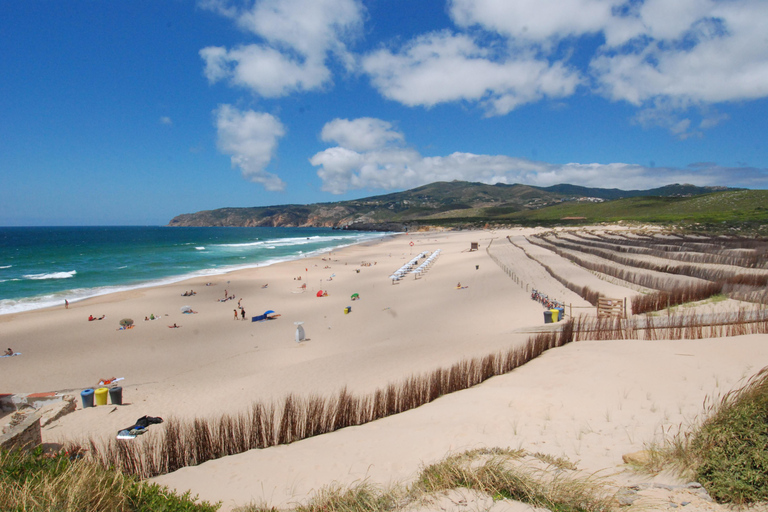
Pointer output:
265, 286
174, 326
91, 318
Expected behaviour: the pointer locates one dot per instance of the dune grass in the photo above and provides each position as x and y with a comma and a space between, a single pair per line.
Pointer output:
39, 482
726, 451
497, 472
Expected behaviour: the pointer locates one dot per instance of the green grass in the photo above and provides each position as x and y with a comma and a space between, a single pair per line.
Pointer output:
728, 451
729, 207
39, 482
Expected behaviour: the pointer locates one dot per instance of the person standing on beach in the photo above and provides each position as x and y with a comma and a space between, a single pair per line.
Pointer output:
235, 313
66, 304
242, 311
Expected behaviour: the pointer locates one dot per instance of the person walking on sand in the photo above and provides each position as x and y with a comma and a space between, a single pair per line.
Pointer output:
235, 313
242, 311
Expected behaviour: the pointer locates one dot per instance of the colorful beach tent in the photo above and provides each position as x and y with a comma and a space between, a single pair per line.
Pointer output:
355, 296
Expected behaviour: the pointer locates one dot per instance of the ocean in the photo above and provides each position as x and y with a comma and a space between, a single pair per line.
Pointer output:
42, 266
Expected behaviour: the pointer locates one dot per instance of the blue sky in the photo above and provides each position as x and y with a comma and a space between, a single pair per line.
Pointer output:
134, 112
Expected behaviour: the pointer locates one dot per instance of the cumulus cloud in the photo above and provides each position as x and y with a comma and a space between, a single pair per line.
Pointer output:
297, 38
444, 67
393, 166
166, 121
362, 134
250, 138
690, 53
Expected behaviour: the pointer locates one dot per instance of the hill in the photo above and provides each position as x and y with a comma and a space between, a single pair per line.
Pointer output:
455, 202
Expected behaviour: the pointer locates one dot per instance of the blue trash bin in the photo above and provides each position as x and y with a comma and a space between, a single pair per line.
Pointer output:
561, 315
87, 396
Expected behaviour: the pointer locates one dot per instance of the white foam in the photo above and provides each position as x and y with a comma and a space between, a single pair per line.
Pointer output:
8, 306
52, 275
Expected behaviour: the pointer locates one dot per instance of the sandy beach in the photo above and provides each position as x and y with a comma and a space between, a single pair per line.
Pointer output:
588, 401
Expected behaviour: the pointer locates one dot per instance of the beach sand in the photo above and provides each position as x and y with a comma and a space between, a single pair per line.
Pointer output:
589, 401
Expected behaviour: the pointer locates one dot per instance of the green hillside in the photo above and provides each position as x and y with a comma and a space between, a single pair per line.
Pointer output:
730, 207
465, 204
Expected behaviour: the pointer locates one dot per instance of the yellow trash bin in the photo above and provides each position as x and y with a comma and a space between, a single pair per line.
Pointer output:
101, 396
555, 314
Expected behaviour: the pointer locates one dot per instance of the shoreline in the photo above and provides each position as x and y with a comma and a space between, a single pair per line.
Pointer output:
193, 370
55, 299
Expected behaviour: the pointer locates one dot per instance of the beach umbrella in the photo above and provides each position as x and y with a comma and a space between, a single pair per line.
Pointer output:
184, 309
269, 312
355, 296
320, 293
125, 322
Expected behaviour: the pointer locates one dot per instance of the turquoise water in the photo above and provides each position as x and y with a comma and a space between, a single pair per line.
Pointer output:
42, 266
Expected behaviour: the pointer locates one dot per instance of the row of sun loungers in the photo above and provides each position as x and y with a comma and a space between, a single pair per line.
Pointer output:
427, 263
408, 268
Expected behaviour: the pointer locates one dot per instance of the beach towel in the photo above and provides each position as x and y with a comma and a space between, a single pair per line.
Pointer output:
138, 428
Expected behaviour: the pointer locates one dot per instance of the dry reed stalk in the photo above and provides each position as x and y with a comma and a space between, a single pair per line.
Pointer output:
184, 443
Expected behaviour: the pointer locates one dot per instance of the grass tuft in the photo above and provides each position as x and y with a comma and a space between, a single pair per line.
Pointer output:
726, 452
65, 482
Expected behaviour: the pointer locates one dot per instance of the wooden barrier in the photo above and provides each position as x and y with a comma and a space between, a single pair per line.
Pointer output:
611, 308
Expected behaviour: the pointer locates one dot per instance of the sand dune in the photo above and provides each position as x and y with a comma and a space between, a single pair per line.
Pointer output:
589, 401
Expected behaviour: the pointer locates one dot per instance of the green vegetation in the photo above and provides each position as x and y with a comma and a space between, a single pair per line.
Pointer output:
465, 204
729, 207
499, 473
39, 482
726, 453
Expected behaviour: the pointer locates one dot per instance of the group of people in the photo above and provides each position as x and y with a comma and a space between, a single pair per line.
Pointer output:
227, 296
189, 293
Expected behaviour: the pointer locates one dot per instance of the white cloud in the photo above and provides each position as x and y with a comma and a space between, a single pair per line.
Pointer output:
250, 138
362, 134
690, 53
717, 53
443, 67
393, 166
534, 20
298, 37
264, 70
166, 121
